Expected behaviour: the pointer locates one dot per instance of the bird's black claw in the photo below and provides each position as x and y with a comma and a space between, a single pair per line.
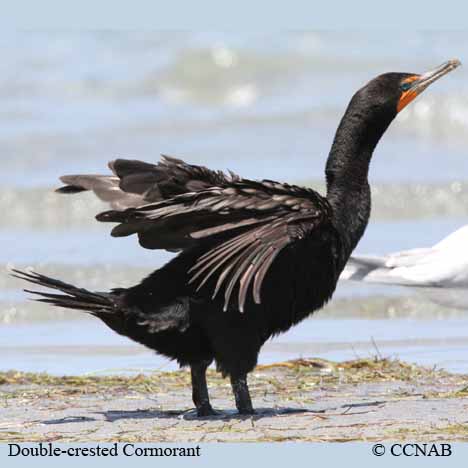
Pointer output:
204, 411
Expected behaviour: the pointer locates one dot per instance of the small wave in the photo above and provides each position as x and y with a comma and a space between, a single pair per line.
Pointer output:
98, 277
413, 307
27, 313
221, 75
363, 308
40, 208
16, 308
436, 117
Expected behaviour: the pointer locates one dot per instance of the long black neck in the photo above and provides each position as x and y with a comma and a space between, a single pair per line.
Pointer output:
347, 169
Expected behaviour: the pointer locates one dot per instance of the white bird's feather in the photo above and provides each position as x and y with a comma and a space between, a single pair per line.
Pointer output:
440, 271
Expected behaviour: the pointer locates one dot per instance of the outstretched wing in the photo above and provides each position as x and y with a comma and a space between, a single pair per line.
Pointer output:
135, 183
242, 225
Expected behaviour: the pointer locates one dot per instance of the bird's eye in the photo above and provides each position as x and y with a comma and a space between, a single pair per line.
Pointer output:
405, 86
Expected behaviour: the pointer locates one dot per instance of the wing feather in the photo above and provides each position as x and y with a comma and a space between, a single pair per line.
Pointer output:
240, 226
135, 183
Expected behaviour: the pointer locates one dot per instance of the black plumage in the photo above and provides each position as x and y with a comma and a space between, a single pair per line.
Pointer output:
255, 257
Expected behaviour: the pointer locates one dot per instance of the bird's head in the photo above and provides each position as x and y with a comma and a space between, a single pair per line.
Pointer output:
375, 105
370, 112
391, 92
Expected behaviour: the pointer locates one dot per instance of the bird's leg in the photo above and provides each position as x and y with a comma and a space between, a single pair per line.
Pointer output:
200, 395
241, 394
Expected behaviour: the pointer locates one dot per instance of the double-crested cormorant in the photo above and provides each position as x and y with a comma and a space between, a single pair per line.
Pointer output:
256, 257
439, 272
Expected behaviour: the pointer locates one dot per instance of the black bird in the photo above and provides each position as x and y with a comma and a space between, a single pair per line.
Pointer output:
256, 257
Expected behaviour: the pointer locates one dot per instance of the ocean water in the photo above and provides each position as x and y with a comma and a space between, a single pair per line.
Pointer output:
262, 105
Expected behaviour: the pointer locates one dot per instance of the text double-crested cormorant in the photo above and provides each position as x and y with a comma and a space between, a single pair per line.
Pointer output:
256, 257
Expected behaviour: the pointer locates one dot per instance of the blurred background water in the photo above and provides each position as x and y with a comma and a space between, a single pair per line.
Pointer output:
263, 105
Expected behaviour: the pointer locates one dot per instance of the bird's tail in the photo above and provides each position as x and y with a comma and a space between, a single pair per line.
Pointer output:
359, 267
95, 303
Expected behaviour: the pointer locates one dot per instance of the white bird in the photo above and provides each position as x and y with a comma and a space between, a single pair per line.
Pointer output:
439, 272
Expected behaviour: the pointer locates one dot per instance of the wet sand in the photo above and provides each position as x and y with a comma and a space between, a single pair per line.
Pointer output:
302, 400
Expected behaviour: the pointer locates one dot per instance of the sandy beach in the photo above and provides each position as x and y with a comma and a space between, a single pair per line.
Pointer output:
301, 400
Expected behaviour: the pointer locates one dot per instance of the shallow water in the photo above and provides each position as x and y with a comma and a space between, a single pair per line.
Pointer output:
87, 346
265, 106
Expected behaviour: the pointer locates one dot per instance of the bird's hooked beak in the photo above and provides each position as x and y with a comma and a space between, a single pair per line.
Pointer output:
416, 84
